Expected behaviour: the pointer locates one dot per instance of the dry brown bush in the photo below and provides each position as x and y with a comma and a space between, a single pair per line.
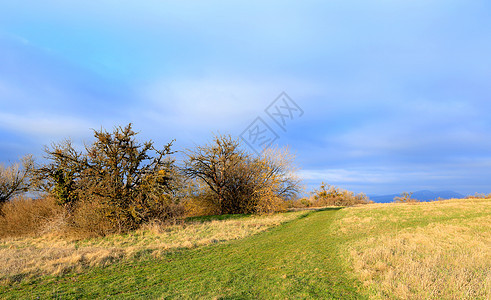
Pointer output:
329, 195
301, 203
25, 216
269, 203
44, 217
90, 219
200, 201
405, 198
479, 196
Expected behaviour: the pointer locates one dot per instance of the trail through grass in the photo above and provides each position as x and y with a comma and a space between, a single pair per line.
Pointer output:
296, 260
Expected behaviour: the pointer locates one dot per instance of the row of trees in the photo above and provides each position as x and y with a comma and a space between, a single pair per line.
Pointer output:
121, 183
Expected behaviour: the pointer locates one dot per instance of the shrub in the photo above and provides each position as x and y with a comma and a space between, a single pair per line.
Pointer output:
479, 196
200, 201
305, 202
405, 198
25, 216
328, 195
117, 182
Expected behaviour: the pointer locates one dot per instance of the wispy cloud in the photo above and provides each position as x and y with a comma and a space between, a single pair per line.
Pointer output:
43, 127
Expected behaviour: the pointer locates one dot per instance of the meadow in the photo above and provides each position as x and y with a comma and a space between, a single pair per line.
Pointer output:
434, 250
427, 250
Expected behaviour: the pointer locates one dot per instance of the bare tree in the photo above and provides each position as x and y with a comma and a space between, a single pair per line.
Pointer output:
214, 165
16, 179
242, 183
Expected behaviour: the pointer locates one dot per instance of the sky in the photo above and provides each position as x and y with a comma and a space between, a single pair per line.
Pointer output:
376, 96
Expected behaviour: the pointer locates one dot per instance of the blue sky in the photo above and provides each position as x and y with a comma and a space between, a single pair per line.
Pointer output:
395, 94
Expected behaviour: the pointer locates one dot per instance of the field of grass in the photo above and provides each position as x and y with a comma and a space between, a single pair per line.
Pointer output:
436, 250
432, 250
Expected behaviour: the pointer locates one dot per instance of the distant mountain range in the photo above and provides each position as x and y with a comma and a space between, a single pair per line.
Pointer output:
420, 195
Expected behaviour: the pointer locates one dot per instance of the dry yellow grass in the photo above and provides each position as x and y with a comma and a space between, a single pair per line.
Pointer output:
49, 254
436, 250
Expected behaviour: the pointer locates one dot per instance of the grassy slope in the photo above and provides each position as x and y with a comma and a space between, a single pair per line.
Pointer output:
296, 260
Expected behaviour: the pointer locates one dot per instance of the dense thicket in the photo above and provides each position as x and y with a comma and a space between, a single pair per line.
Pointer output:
329, 195
116, 180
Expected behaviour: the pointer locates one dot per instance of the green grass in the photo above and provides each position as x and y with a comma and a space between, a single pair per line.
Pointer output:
298, 259
216, 217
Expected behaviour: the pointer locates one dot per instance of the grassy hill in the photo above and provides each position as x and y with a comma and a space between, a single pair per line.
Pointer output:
426, 250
